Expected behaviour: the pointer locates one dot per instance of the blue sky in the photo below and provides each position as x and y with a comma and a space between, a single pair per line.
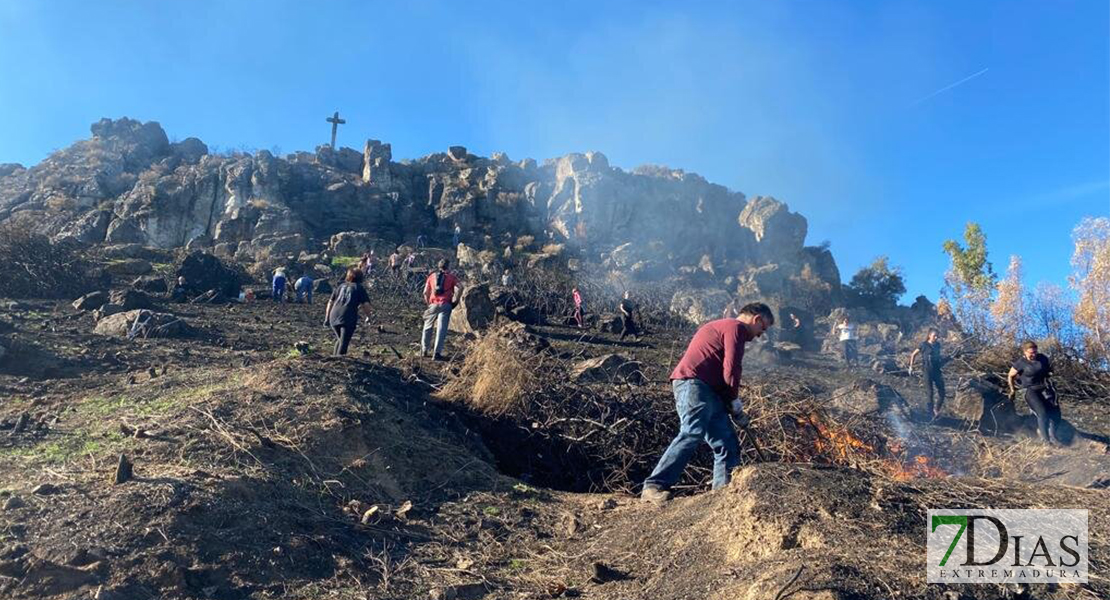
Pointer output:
837, 108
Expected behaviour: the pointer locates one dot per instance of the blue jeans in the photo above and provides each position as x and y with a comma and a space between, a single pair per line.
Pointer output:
702, 416
279, 288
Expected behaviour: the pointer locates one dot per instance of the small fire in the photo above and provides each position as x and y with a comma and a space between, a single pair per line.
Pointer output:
919, 467
838, 445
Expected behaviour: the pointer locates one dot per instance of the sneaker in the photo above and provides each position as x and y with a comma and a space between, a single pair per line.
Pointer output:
655, 495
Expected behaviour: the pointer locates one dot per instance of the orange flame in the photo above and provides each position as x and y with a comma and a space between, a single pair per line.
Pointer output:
838, 445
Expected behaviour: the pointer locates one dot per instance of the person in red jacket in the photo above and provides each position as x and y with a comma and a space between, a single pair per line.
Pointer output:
441, 293
706, 386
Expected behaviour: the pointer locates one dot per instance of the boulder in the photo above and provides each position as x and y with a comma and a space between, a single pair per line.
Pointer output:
154, 323
128, 267
867, 397
457, 153
89, 229
885, 365
981, 402
778, 232
321, 287
91, 301
475, 311
699, 305
203, 272
376, 157
106, 311
526, 315
610, 323
151, 284
131, 299
608, 368
356, 243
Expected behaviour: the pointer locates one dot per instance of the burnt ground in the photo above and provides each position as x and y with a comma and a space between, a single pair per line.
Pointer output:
261, 471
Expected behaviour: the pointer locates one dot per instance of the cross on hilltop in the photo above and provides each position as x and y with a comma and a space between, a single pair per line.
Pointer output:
335, 123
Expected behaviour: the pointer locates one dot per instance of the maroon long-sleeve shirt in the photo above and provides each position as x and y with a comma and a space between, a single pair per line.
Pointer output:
715, 356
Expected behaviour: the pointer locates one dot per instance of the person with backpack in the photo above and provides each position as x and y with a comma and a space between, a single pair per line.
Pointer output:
441, 294
341, 314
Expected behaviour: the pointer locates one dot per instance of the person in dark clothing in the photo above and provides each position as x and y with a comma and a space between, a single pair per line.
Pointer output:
628, 324
180, 292
706, 385
341, 315
1032, 371
930, 368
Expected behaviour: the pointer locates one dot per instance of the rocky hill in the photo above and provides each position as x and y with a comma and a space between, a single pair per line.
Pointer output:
129, 184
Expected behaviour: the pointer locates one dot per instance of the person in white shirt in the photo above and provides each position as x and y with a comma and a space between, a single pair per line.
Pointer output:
847, 331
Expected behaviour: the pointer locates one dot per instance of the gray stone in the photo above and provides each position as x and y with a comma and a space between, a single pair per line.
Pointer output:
475, 312
608, 368
159, 324
13, 503
982, 403
129, 299
46, 489
457, 153
91, 301
699, 306
151, 284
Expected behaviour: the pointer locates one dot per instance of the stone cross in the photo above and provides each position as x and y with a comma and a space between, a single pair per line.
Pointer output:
335, 123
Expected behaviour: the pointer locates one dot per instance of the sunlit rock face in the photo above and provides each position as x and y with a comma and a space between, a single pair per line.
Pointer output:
129, 184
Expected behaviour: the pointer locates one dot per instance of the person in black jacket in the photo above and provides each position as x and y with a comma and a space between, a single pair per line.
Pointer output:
1033, 371
930, 368
341, 315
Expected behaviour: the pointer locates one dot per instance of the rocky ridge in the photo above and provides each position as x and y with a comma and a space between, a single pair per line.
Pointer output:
128, 184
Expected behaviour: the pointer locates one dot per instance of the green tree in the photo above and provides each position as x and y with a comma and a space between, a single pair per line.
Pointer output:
970, 281
878, 284
969, 263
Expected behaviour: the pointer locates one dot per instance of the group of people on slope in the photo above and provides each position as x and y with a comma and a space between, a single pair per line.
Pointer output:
348, 299
300, 291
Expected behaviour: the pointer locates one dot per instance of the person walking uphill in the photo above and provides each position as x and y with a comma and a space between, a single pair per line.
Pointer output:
1032, 371
441, 294
706, 385
341, 314
930, 367
577, 306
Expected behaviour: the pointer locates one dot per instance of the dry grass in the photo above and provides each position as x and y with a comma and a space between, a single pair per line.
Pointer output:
497, 377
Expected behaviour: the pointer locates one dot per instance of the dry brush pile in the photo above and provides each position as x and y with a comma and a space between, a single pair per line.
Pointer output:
606, 435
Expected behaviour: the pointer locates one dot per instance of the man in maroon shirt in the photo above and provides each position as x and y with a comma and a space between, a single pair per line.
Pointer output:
706, 386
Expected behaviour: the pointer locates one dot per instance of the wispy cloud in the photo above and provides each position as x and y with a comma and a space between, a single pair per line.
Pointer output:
949, 86
1066, 194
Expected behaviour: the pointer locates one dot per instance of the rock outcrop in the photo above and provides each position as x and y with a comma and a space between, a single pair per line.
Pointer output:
129, 185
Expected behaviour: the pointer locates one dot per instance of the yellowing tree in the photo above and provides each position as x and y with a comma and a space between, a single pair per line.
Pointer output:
1008, 308
1091, 279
